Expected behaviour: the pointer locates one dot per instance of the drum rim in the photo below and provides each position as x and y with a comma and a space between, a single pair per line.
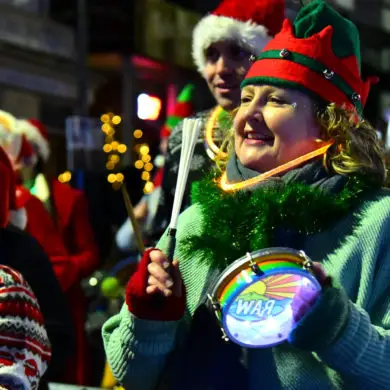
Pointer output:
300, 272
223, 280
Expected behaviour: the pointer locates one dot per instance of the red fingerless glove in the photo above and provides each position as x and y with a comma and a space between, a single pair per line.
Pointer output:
152, 306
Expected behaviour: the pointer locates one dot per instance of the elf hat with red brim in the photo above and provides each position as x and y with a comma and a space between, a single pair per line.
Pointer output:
319, 54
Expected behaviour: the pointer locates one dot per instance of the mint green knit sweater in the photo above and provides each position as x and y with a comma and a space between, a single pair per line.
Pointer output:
356, 251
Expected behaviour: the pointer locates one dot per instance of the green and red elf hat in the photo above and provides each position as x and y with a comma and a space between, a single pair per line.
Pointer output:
319, 54
182, 110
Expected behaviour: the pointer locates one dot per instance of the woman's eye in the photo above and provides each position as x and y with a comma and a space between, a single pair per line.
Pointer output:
277, 100
246, 99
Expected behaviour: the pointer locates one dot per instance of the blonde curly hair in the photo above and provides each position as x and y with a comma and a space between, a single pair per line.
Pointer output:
356, 148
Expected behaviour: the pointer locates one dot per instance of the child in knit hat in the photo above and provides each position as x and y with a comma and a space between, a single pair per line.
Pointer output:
25, 349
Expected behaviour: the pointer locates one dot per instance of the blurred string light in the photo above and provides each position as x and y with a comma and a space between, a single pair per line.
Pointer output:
65, 177
143, 161
113, 148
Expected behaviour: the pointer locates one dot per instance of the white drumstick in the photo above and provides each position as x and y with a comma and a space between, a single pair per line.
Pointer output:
191, 130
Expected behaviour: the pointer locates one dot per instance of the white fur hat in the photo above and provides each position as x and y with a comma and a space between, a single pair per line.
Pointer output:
250, 23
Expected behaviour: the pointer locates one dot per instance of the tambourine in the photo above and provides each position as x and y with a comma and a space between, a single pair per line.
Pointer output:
256, 297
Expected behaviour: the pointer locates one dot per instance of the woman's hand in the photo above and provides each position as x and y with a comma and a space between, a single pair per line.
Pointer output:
164, 277
156, 277
306, 299
321, 319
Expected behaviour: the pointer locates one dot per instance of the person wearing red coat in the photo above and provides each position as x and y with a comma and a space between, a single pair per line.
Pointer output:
61, 225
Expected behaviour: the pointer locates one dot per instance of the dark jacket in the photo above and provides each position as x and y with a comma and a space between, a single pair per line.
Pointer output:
21, 252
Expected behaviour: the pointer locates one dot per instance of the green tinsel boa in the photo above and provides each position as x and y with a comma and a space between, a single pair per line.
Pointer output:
244, 221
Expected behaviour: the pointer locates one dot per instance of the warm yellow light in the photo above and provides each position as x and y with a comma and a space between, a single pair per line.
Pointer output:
116, 120
109, 139
149, 187
114, 158
104, 118
120, 177
145, 176
111, 178
115, 145
138, 133
146, 158
67, 176
107, 148
139, 164
144, 149
110, 165
106, 128
122, 148
61, 178
148, 167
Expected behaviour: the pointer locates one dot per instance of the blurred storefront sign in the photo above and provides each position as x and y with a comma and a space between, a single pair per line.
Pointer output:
84, 143
35, 6
37, 83
33, 32
166, 32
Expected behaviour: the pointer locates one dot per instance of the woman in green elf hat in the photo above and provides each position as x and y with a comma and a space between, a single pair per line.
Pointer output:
305, 172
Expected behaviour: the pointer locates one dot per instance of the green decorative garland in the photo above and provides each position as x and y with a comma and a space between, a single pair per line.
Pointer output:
244, 221
225, 120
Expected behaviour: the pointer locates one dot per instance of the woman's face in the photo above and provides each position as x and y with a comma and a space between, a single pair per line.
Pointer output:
226, 66
274, 126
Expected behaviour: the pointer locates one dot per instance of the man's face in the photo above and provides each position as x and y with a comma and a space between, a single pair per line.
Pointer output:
226, 66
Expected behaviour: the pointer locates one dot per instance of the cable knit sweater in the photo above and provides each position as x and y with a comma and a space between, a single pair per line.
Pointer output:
356, 251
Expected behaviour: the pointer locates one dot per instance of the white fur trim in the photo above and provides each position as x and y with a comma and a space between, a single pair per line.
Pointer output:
7, 120
18, 218
212, 28
34, 136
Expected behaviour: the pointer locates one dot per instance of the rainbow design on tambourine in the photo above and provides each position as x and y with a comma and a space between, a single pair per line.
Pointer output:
257, 309
278, 286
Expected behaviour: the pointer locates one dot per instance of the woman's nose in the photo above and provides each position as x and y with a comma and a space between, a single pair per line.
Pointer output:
254, 113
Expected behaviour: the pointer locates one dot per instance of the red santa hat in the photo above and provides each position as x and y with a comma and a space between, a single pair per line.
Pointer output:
12, 209
249, 23
36, 134
25, 349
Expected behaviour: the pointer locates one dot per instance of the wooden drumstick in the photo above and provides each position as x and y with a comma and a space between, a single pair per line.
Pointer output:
133, 220
191, 130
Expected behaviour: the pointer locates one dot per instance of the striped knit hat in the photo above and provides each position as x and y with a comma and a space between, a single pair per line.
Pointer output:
24, 345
